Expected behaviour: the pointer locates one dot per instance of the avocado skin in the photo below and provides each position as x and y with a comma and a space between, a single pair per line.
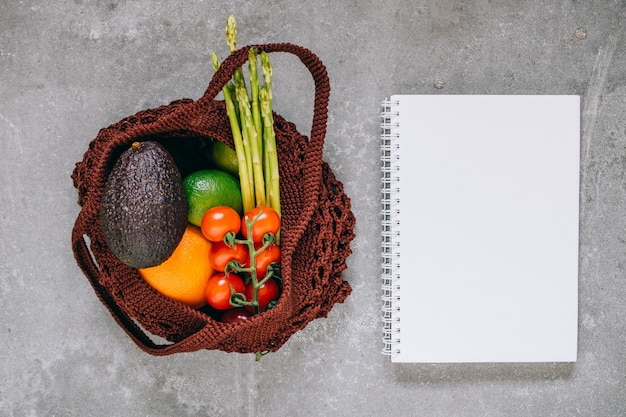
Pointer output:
144, 207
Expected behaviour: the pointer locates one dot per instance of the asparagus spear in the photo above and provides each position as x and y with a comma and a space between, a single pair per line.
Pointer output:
231, 33
246, 186
254, 94
252, 145
253, 123
241, 94
242, 107
231, 40
269, 139
266, 69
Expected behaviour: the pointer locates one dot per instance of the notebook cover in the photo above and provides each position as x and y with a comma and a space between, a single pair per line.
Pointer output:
488, 228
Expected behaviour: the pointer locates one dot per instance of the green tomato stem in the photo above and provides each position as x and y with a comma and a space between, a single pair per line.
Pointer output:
237, 299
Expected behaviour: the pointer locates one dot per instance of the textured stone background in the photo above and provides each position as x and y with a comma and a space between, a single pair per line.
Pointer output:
69, 68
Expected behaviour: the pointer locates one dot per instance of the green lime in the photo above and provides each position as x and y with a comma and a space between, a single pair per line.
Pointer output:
210, 188
224, 158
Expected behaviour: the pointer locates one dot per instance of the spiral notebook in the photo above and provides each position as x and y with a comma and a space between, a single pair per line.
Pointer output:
480, 228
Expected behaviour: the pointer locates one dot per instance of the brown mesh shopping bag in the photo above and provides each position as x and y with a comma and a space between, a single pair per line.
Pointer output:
317, 224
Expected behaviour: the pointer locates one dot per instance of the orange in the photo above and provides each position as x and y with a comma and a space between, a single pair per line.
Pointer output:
184, 275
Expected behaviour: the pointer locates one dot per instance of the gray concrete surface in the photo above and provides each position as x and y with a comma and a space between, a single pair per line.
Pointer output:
69, 68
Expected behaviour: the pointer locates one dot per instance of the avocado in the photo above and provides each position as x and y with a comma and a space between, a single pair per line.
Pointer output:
144, 206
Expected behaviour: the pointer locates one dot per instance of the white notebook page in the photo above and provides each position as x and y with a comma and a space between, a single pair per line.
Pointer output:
489, 204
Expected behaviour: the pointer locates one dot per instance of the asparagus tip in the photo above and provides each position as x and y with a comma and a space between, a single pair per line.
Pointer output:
265, 63
215, 61
231, 32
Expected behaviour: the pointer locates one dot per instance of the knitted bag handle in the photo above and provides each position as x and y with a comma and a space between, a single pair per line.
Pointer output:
192, 115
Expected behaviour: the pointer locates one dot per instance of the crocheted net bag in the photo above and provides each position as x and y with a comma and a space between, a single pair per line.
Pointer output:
317, 225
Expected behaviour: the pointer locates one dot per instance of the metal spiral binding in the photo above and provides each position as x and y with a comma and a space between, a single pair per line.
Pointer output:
390, 212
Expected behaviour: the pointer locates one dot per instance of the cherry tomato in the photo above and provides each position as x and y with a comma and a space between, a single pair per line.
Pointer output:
267, 293
218, 291
263, 259
218, 221
265, 220
235, 315
221, 255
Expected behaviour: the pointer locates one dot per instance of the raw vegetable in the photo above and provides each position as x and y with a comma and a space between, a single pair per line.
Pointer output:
225, 258
144, 208
247, 195
260, 221
266, 293
252, 256
252, 124
235, 315
266, 258
220, 224
221, 288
